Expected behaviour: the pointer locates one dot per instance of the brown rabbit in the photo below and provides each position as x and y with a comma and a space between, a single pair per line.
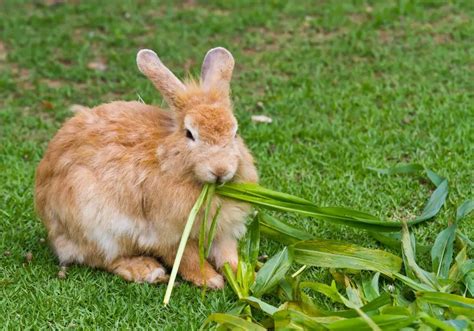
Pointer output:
117, 182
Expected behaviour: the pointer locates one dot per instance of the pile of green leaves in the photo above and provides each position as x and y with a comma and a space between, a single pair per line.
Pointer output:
369, 288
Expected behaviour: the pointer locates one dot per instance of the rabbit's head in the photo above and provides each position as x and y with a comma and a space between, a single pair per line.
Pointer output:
205, 129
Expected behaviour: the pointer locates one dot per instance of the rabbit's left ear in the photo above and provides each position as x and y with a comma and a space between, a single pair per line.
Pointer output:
216, 71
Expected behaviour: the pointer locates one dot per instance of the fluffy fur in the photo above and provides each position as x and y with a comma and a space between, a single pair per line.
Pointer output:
117, 182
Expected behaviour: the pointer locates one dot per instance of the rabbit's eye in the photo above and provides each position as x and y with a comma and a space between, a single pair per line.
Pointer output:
189, 135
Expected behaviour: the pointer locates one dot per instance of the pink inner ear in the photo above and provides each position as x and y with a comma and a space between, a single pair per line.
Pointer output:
217, 67
164, 80
147, 58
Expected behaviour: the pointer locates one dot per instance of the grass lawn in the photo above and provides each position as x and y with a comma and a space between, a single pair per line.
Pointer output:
348, 85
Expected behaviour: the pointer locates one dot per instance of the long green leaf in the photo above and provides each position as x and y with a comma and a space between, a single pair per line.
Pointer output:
291, 203
272, 272
212, 230
394, 241
252, 243
410, 169
435, 323
330, 291
231, 321
371, 286
467, 272
436, 200
289, 319
263, 306
385, 322
460, 324
410, 261
465, 209
203, 228
455, 302
442, 251
280, 231
184, 239
266, 198
333, 254
417, 286
230, 277
464, 239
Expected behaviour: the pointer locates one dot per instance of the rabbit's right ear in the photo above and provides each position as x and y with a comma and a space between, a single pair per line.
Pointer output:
164, 80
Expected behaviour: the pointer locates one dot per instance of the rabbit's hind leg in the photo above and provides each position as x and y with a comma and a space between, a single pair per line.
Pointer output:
67, 250
140, 269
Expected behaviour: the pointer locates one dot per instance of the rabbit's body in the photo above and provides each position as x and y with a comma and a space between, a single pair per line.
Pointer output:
117, 182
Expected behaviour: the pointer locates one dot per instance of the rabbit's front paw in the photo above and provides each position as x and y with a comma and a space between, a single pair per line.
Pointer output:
140, 269
216, 282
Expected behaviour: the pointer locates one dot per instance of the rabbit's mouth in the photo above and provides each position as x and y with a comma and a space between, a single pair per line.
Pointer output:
215, 175
219, 178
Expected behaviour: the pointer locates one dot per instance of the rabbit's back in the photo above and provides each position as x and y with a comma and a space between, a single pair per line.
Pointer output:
121, 125
99, 158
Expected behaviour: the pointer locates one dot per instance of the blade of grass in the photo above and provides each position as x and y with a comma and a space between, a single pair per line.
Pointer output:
184, 239
299, 271
455, 302
385, 322
230, 277
465, 240
290, 203
333, 254
417, 286
263, 306
330, 291
394, 241
371, 286
442, 251
464, 209
436, 200
272, 272
244, 276
467, 272
212, 231
280, 231
252, 244
409, 255
375, 304
203, 228
266, 198
354, 301
435, 323
290, 319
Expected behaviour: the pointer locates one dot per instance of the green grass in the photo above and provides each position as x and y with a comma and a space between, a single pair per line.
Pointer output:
348, 85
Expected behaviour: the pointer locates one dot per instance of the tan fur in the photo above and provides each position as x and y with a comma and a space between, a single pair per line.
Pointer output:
117, 182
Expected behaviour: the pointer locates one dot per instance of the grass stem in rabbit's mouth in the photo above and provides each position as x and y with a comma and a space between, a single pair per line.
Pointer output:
184, 238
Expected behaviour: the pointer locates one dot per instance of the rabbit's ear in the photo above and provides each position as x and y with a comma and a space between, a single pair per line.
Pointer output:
217, 68
164, 80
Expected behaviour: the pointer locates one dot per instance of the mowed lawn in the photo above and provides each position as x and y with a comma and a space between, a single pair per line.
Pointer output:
348, 84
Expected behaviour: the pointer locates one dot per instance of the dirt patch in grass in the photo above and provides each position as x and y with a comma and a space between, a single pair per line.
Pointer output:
3, 52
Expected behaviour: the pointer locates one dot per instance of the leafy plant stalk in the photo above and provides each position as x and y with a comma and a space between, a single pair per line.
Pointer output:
184, 239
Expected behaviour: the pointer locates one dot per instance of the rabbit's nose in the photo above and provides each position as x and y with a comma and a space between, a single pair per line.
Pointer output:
222, 175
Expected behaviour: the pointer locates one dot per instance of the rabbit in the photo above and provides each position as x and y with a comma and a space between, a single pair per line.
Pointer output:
118, 181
